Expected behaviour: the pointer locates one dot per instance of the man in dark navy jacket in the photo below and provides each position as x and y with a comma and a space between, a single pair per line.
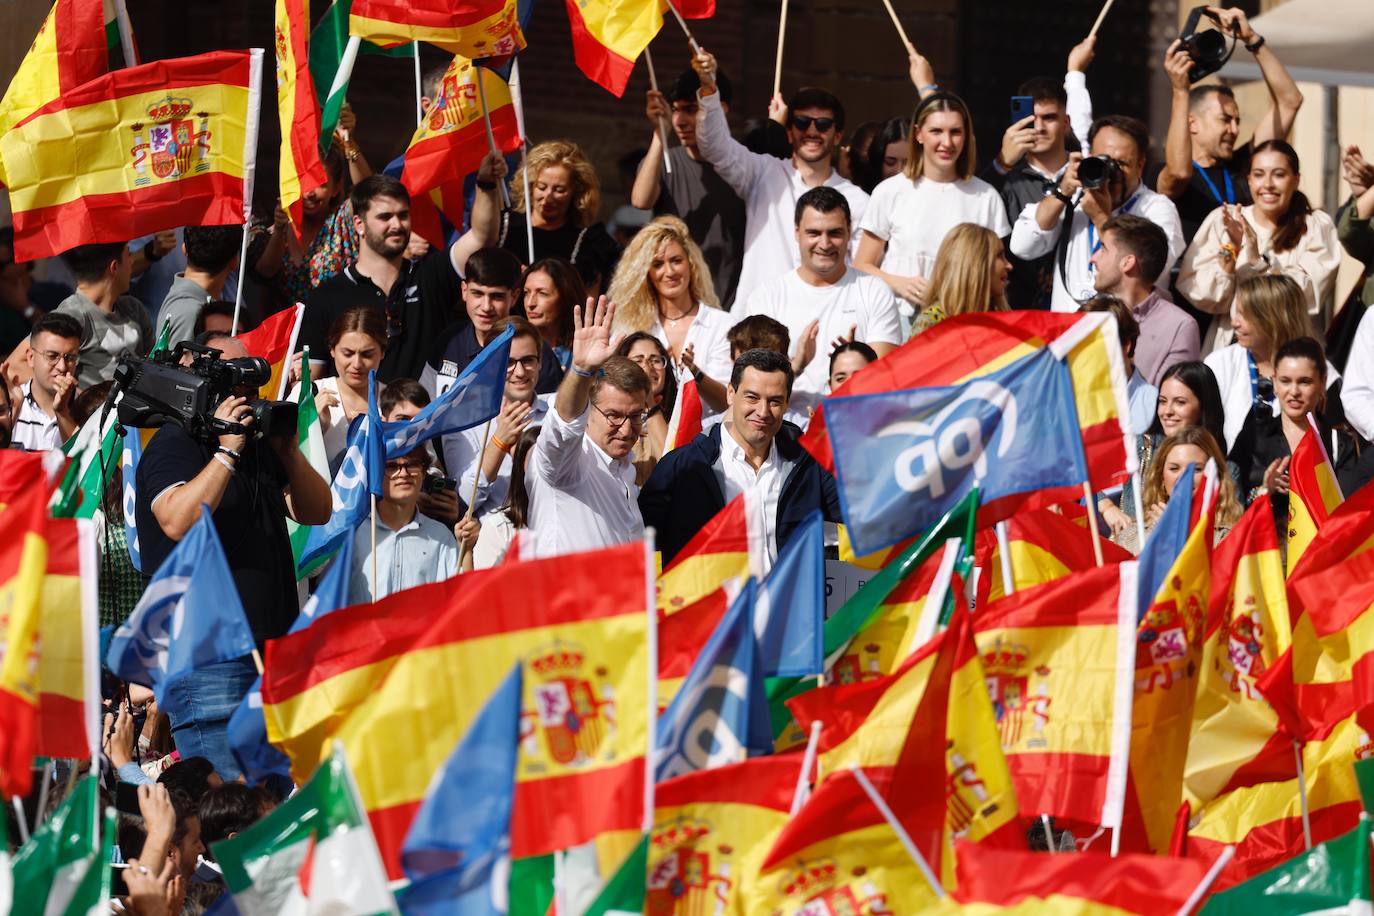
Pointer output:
752, 451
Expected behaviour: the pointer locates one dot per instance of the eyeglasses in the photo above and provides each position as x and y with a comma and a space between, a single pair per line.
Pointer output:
617, 420
69, 359
528, 363
802, 122
397, 468
657, 362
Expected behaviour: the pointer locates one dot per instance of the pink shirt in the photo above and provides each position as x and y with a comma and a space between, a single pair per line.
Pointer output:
1168, 335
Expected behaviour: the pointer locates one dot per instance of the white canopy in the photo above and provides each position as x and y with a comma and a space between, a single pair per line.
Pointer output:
1319, 41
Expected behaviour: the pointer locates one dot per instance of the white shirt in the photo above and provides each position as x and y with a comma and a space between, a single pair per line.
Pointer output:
34, 428
1029, 241
914, 216
708, 336
770, 188
418, 553
739, 476
463, 458
336, 433
856, 300
1357, 396
580, 497
1232, 368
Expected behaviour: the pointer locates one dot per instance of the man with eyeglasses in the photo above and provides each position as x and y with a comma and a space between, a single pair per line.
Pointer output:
581, 472
770, 187
45, 417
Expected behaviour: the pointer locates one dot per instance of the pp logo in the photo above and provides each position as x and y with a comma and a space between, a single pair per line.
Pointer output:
955, 438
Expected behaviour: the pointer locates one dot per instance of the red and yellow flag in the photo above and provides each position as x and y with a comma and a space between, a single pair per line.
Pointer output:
681, 637
471, 28
298, 110
275, 341
712, 829
69, 657
718, 552
1058, 660
395, 682
609, 35
686, 422
1313, 495
69, 50
1043, 546
23, 565
165, 144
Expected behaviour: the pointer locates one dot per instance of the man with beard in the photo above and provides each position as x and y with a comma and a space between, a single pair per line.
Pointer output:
1119, 144
770, 187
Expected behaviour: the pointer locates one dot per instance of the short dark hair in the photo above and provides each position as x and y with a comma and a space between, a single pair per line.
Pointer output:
815, 97
216, 307
231, 808
374, 186
1303, 348
764, 361
669, 375
684, 88
1142, 238
88, 263
623, 374
1131, 127
853, 346
402, 391
205, 338
1044, 89
191, 775
1199, 94
493, 267
59, 324
759, 332
1127, 328
211, 248
433, 82
822, 200
523, 328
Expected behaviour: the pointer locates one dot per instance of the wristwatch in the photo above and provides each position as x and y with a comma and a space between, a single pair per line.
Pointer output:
1052, 190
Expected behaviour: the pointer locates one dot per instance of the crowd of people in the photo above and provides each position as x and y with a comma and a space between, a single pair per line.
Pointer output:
760, 281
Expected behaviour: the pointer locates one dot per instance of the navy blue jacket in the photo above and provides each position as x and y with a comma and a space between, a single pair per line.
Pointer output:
685, 490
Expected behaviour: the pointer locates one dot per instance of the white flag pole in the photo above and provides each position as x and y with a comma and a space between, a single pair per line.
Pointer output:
808, 761
1101, 16
897, 828
126, 34
1004, 552
250, 160
696, 48
419, 88
524, 149
662, 130
651, 647
491, 136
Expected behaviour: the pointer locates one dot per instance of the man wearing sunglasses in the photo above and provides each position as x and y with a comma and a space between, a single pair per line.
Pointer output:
45, 420
770, 187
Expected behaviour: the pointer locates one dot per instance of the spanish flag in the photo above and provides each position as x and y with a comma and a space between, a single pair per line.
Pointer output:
686, 422
298, 110
1043, 546
23, 566
716, 553
1314, 493
682, 636
471, 28
399, 681
166, 144
609, 35
69, 50
275, 341
69, 657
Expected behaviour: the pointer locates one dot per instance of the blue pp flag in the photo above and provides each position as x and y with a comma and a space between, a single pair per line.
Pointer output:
128, 463
1166, 541
790, 611
374, 452
720, 715
457, 852
904, 458
190, 616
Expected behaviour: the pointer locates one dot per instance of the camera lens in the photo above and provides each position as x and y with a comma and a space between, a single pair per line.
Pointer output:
1095, 171
248, 371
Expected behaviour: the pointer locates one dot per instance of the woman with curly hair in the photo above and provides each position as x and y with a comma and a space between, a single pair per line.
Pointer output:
1190, 445
565, 197
663, 286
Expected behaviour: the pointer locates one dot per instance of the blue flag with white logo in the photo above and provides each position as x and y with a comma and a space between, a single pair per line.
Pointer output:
457, 851
1165, 542
189, 617
128, 464
720, 715
375, 452
905, 458
789, 614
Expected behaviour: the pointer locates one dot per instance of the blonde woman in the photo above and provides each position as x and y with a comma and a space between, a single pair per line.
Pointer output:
912, 212
565, 198
1190, 445
970, 275
663, 286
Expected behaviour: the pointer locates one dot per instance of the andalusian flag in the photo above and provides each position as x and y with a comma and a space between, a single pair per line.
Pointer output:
69, 640
95, 451
69, 50
310, 441
119, 36
298, 110
23, 565
718, 552
1332, 878
275, 341
1314, 493
1043, 546
470, 28
395, 682
165, 144
64, 867
331, 65
313, 854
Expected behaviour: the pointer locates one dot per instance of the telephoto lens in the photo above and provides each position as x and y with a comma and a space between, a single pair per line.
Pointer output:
1095, 171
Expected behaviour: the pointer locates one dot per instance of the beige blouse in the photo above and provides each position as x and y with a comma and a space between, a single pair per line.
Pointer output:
1312, 264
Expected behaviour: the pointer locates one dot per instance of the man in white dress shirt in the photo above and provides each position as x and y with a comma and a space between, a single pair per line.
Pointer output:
581, 475
1124, 141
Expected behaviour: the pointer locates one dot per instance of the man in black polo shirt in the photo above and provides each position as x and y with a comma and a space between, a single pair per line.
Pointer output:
420, 297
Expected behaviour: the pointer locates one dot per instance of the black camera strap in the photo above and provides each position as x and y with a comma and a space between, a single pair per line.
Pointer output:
1061, 246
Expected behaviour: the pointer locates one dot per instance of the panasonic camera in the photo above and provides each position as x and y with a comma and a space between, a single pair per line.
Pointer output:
1098, 171
1208, 49
186, 385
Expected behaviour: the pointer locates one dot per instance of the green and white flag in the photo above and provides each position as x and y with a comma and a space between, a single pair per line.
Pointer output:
331, 64
310, 440
95, 452
624, 893
119, 36
314, 854
63, 869
1332, 878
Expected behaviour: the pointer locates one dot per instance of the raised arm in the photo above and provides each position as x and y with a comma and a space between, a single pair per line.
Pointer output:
1284, 94
1178, 144
486, 212
649, 179
732, 160
1080, 104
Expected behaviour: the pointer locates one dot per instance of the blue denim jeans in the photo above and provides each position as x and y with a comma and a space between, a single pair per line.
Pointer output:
206, 699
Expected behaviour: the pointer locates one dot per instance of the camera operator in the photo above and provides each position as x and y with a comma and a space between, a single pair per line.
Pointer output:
251, 486
1202, 168
1092, 191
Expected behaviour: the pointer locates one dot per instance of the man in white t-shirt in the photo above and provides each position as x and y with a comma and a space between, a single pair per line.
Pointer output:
771, 186
824, 301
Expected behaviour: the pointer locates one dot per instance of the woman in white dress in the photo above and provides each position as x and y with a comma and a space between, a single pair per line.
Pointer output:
911, 212
357, 342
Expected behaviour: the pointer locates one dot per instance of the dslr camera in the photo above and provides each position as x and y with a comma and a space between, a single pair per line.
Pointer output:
1207, 49
1098, 171
165, 388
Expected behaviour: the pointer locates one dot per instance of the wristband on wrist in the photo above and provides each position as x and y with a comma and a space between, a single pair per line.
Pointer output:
149, 254
486, 185
500, 443
228, 465
1229, 251
1254, 48
930, 87
224, 449
581, 373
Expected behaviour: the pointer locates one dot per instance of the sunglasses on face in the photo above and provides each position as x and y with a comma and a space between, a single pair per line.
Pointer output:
802, 122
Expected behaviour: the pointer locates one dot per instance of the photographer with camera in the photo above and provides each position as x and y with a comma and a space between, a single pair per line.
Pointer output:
1070, 218
1202, 168
251, 487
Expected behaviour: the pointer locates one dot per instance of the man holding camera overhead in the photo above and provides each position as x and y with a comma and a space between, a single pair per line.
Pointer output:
1091, 191
1202, 168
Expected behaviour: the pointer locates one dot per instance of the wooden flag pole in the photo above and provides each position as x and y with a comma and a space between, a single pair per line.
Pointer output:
519, 103
1004, 552
662, 128
491, 137
419, 88
472, 498
777, 62
696, 48
374, 544
901, 32
1100, 16
1092, 521
250, 160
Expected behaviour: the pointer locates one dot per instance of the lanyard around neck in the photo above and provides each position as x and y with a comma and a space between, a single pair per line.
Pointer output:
1211, 185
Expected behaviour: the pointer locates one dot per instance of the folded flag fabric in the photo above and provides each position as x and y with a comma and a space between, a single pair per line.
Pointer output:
1043, 546
609, 36
472, 28
1313, 495
63, 867
165, 144
298, 111
95, 451
275, 340
789, 610
720, 551
313, 854
686, 422
327, 49
69, 643
310, 441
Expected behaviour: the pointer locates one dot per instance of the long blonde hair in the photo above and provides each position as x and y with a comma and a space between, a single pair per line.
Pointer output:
941, 101
961, 281
586, 202
636, 301
1228, 506
1274, 305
